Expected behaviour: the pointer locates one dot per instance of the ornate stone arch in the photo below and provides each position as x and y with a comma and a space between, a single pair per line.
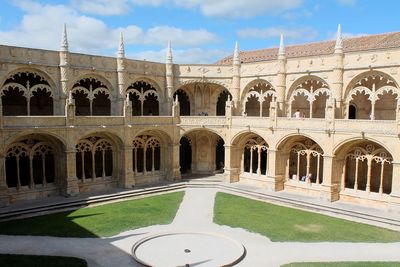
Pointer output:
47, 77
376, 92
307, 95
151, 82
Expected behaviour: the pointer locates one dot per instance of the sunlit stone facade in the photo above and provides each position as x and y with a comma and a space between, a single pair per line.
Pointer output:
319, 119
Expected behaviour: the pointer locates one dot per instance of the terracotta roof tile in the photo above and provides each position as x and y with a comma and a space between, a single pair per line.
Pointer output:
368, 42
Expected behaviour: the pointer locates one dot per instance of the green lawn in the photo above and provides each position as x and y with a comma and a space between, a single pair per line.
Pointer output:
40, 261
104, 220
287, 224
343, 264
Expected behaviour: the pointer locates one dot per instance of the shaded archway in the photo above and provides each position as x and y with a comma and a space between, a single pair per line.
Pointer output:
201, 152
221, 103
308, 95
375, 94
220, 155
92, 97
184, 102
257, 99
26, 93
365, 166
145, 99
35, 165
185, 155
303, 158
249, 154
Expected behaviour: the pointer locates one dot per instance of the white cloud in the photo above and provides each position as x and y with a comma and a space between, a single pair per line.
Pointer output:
102, 7
221, 8
41, 27
191, 55
240, 8
302, 33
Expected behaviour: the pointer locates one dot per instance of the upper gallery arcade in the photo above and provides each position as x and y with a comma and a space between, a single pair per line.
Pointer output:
319, 118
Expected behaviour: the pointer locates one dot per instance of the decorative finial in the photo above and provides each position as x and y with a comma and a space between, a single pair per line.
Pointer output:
64, 39
282, 51
236, 55
339, 38
121, 49
169, 53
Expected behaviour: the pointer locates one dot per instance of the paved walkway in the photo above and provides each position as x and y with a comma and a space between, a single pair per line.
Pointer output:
195, 214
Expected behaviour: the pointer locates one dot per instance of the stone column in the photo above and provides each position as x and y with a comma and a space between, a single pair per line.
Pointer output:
281, 81
169, 80
338, 69
64, 68
235, 89
127, 178
275, 170
231, 167
4, 199
70, 187
175, 173
330, 184
394, 204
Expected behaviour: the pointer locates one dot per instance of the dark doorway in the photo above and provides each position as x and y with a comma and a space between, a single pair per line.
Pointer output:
185, 155
221, 103
352, 112
220, 156
184, 102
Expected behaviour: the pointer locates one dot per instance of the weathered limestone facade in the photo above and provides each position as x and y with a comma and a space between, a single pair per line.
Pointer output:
72, 123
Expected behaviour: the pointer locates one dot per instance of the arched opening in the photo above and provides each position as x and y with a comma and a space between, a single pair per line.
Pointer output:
352, 112
31, 164
220, 155
385, 106
14, 102
92, 98
185, 155
257, 100
221, 103
363, 104
252, 106
249, 154
82, 103
41, 103
366, 166
145, 99
101, 104
146, 158
184, 102
319, 105
375, 95
309, 96
94, 158
150, 105
301, 104
304, 160
26, 93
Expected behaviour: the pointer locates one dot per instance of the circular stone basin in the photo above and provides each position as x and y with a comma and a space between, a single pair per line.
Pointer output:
188, 249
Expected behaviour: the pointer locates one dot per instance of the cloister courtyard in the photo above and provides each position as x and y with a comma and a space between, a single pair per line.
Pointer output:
272, 232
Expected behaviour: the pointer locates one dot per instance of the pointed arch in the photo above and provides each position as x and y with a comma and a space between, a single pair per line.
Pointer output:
308, 95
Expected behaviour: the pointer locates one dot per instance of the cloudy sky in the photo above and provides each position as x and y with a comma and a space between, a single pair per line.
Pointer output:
201, 31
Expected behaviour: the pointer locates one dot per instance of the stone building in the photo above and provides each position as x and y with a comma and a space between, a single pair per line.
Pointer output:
73, 123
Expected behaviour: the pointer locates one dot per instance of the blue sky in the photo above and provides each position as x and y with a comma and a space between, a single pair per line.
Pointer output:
201, 31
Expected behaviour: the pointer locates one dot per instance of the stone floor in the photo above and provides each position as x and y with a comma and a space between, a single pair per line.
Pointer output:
195, 214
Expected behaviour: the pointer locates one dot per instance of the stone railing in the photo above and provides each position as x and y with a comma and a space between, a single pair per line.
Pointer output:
33, 121
255, 122
150, 120
367, 126
308, 124
203, 120
98, 120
